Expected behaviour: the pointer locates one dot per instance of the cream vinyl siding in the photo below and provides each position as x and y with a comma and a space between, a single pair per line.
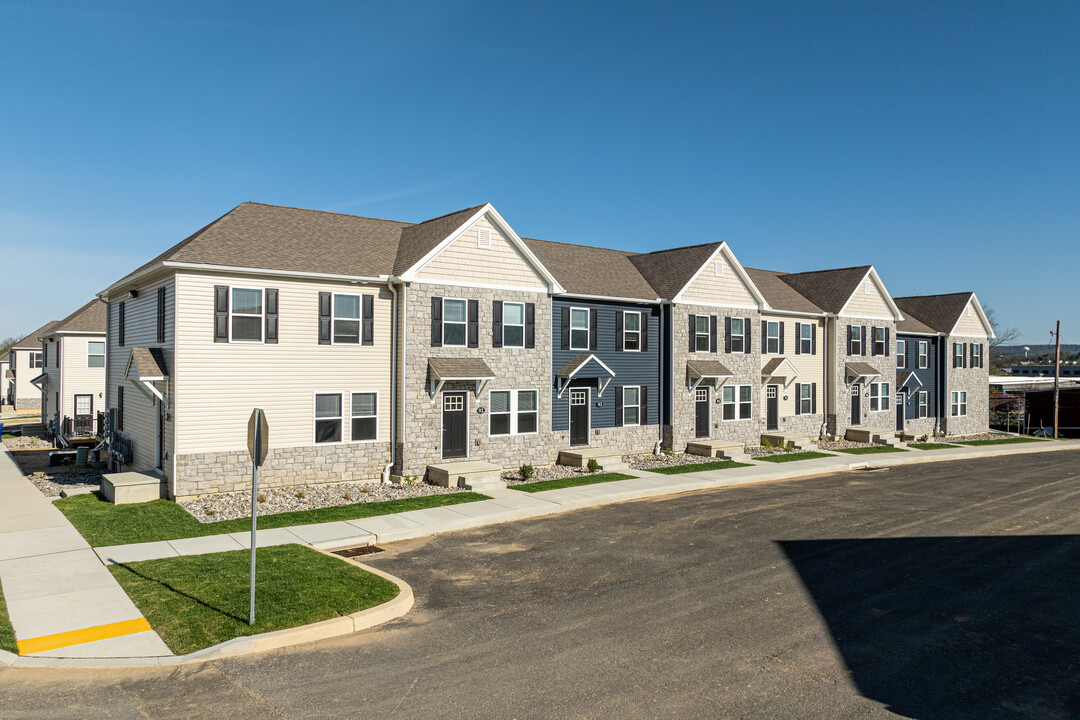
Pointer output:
24, 389
810, 367
78, 379
970, 326
53, 386
140, 413
501, 264
873, 305
729, 289
218, 384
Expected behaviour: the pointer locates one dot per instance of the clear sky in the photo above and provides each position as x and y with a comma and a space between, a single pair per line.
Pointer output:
937, 141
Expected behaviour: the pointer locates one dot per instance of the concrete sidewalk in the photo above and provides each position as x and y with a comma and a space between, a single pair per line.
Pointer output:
62, 601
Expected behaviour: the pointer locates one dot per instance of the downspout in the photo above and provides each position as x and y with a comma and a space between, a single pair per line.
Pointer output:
658, 448
393, 379
826, 392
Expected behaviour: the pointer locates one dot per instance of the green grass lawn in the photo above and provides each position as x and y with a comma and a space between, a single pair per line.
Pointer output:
8, 436
7, 634
196, 601
103, 523
1003, 441
699, 467
572, 481
931, 446
872, 450
793, 457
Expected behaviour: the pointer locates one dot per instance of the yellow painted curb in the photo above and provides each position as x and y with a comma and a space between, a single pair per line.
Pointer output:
86, 635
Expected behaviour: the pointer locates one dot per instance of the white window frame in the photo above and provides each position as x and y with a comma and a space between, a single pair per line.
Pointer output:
874, 340
315, 419
959, 403
740, 335
698, 335
90, 355
588, 319
514, 412
879, 396
359, 320
806, 344
628, 405
770, 338
354, 416
958, 355
976, 354
739, 404
924, 354
867, 287
520, 325
901, 354
856, 345
924, 404
718, 268
464, 323
262, 314
636, 333
806, 404
483, 238
37, 359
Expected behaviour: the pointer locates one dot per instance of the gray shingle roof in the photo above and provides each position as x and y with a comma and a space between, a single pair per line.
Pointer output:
828, 289
469, 368
861, 369
90, 317
709, 368
778, 293
31, 342
903, 377
911, 324
149, 362
587, 270
418, 240
940, 312
668, 271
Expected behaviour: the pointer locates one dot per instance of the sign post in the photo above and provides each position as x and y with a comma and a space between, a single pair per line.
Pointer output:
258, 438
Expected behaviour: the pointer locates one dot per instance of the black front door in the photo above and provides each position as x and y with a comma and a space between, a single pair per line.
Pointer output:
701, 412
856, 404
899, 411
579, 417
772, 408
453, 425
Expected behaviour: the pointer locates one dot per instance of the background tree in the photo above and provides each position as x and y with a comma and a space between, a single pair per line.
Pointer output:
1004, 336
7, 343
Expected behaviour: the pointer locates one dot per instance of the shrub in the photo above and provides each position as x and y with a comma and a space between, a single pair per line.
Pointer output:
301, 495
593, 465
924, 438
348, 496
526, 472
766, 444
669, 452
261, 497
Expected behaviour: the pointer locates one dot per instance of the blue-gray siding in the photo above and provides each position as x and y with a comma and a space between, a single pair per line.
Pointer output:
927, 375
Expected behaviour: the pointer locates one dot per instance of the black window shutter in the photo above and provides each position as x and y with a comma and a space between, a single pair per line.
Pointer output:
618, 406
955, 361
530, 325
873, 345
764, 336
848, 339
798, 398
618, 329
161, 315
864, 338
746, 336
973, 355
496, 324
436, 322
727, 334
566, 328
592, 329
324, 318
813, 398
120, 408
813, 339
367, 312
781, 339
643, 412
221, 313
271, 315
712, 333
474, 323
644, 331
693, 333
982, 355
964, 359
887, 338
798, 338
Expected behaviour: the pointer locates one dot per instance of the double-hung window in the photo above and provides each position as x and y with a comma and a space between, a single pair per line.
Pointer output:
455, 316
879, 340
35, 360
365, 417
738, 335
959, 403
879, 397
513, 412
631, 408
579, 329
958, 355
513, 324
701, 333
631, 331
924, 404
737, 402
806, 338
806, 400
901, 354
95, 354
856, 339
328, 417
346, 319
772, 337
246, 319
924, 354
976, 355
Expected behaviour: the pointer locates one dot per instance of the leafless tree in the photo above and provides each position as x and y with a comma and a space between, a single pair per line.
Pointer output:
1004, 336
7, 343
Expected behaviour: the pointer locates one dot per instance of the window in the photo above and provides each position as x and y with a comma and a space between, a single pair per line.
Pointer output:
737, 335
247, 315
924, 404
701, 333
365, 416
513, 412
772, 337
632, 331
806, 338
924, 354
958, 355
878, 334
513, 324
36, 360
346, 319
879, 397
976, 355
579, 329
901, 354
737, 402
806, 399
84, 405
959, 403
631, 408
455, 313
856, 340
95, 354
328, 418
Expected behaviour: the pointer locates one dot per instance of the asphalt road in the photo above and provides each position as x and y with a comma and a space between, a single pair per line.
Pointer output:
949, 590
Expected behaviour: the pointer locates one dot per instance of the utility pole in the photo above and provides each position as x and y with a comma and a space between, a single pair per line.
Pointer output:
1057, 375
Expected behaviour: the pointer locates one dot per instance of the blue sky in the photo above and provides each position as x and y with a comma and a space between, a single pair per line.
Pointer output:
937, 141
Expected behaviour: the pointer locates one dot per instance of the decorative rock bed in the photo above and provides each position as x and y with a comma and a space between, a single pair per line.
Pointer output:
64, 483
649, 461
543, 472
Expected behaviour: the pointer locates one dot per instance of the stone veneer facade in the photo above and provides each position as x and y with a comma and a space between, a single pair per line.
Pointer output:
746, 368
514, 369
28, 403
840, 419
798, 425
974, 381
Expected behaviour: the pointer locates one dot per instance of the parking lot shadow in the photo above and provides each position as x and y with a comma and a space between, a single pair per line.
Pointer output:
953, 627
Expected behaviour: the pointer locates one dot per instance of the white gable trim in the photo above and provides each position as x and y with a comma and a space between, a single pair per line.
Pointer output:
734, 263
873, 276
514, 239
982, 318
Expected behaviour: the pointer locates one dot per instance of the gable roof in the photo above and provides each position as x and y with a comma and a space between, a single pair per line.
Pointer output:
4, 357
416, 241
778, 294
669, 271
911, 324
587, 270
828, 289
940, 312
31, 342
90, 317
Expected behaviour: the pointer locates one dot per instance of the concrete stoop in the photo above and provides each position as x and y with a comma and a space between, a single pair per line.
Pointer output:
720, 449
795, 442
133, 487
608, 460
872, 436
471, 475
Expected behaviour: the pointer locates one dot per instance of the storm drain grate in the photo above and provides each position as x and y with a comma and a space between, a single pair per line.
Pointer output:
364, 550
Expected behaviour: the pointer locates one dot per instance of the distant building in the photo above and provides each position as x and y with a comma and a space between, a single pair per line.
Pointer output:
1067, 370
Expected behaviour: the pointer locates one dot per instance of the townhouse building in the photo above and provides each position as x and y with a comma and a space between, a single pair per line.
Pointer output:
5, 380
27, 359
73, 377
918, 396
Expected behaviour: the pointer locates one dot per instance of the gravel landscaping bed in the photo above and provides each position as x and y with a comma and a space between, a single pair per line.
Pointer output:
544, 472
212, 508
65, 483
21, 442
827, 445
971, 438
649, 461
758, 451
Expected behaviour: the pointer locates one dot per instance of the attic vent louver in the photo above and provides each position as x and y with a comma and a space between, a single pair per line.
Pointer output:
483, 238
866, 287
719, 269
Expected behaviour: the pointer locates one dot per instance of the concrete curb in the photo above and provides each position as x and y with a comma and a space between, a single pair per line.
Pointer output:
334, 627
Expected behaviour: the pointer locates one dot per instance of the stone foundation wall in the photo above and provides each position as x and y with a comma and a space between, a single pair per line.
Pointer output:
798, 425
28, 403
920, 426
633, 440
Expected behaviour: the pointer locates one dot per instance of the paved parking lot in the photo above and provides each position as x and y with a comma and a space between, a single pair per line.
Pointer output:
938, 591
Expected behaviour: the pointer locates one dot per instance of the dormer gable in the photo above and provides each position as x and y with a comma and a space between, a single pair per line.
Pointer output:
870, 299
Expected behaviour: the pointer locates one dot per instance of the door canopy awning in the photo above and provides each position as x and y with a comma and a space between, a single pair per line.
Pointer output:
698, 371
779, 367
860, 371
444, 370
907, 379
585, 366
146, 366
42, 381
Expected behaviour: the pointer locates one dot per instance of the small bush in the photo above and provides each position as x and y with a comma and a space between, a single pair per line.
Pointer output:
261, 497
593, 465
766, 444
924, 438
526, 472
301, 495
348, 496
365, 489
668, 452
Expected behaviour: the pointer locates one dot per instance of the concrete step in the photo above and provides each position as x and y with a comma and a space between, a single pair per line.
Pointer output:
133, 487
795, 442
609, 460
859, 434
471, 475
